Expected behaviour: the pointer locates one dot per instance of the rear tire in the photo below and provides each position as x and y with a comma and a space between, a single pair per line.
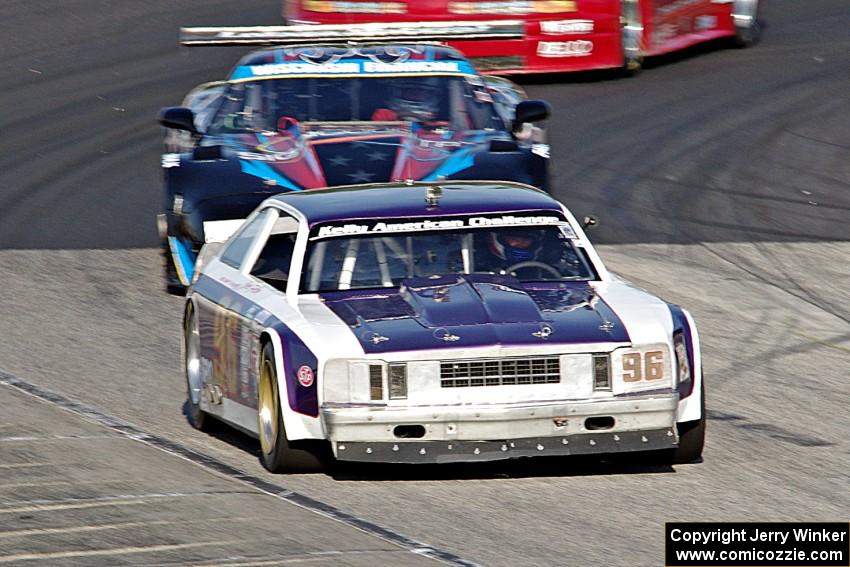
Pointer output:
277, 453
192, 372
172, 282
691, 436
632, 37
748, 29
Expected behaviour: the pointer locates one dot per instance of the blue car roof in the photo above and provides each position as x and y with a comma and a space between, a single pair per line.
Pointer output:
400, 200
397, 59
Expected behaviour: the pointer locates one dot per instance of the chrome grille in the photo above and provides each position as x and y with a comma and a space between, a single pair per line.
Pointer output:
500, 372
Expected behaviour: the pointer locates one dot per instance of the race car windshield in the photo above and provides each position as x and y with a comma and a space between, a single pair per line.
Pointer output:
378, 261
451, 102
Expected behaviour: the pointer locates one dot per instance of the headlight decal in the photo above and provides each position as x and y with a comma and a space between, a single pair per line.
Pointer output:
601, 372
367, 381
376, 382
397, 381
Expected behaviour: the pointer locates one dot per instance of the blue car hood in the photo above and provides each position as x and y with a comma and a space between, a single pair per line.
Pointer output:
313, 156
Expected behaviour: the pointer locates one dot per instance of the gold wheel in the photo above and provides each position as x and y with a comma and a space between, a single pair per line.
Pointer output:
277, 453
268, 407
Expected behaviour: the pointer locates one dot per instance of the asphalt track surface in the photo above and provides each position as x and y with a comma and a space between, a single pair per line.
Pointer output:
722, 181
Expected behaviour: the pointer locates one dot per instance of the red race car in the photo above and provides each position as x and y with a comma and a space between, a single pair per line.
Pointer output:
555, 35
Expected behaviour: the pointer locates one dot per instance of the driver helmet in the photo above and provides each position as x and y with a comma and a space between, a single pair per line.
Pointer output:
514, 246
416, 99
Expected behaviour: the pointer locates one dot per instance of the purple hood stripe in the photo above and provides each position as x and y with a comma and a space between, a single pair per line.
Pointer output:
476, 310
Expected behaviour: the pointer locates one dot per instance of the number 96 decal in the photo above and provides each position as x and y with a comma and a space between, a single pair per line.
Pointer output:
638, 366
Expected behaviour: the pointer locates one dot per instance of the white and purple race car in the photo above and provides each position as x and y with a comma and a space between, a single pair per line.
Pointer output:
430, 323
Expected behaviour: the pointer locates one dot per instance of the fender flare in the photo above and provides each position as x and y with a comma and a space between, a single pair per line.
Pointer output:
298, 425
690, 409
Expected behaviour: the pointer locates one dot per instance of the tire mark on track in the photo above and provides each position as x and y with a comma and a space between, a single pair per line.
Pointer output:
769, 429
803, 292
799, 294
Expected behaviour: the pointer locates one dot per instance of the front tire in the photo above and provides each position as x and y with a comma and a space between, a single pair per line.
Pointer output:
691, 436
276, 451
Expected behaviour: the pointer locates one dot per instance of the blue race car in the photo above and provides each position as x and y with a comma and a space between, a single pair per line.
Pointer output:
299, 118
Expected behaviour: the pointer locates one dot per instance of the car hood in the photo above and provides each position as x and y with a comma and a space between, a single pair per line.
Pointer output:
311, 156
457, 311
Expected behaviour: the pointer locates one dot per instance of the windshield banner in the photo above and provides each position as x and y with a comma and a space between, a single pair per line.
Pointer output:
351, 67
356, 228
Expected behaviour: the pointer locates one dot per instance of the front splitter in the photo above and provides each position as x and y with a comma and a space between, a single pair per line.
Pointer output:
422, 452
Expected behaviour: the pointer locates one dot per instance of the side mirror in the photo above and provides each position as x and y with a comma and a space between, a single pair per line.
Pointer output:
589, 222
178, 118
529, 111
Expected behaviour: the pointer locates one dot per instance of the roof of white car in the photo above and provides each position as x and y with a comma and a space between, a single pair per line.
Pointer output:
416, 199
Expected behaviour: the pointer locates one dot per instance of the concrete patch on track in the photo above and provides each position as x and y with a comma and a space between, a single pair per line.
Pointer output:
58, 489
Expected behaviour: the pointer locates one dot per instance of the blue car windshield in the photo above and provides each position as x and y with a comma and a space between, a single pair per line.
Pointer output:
452, 102
373, 261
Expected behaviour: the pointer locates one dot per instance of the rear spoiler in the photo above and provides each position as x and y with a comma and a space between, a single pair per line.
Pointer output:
357, 33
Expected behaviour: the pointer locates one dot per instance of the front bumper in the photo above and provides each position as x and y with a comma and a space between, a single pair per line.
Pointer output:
486, 433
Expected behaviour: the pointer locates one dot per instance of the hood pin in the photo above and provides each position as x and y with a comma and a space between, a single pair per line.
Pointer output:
544, 332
